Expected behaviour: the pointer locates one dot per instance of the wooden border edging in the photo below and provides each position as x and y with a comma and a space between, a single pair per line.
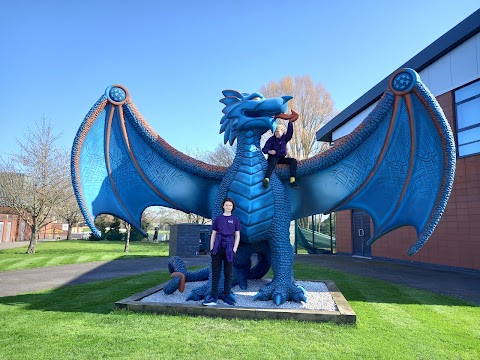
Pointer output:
344, 315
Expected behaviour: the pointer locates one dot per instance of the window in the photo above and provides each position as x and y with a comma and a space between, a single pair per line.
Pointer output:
467, 106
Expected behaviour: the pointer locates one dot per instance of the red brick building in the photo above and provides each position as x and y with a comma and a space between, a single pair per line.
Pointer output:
12, 227
450, 68
53, 230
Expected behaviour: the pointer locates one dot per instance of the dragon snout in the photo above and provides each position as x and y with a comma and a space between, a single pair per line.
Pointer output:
287, 98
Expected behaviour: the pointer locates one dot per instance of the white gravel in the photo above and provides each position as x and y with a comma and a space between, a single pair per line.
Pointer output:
318, 297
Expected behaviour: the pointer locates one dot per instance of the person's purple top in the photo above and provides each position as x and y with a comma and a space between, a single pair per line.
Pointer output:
225, 226
279, 145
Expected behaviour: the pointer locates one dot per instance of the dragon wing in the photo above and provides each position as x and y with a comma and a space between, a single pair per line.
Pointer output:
120, 166
398, 165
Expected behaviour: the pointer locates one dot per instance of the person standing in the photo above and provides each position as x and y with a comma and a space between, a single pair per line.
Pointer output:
223, 246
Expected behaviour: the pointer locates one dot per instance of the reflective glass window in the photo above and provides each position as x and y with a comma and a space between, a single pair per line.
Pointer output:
467, 106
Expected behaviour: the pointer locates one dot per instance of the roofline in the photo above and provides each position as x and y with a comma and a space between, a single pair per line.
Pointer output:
440, 47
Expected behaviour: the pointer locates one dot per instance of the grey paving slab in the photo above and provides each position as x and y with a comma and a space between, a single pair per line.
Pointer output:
463, 284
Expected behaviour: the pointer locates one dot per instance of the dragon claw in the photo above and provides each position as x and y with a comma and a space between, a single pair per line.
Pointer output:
280, 293
303, 297
296, 297
278, 300
261, 296
194, 297
300, 294
299, 297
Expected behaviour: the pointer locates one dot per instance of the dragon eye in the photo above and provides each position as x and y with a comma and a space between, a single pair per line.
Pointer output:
256, 98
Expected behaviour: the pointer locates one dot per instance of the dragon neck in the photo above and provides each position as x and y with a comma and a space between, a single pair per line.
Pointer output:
247, 142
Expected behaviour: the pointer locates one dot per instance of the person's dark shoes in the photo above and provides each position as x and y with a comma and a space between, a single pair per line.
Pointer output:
210, 301
265, 182
294, 185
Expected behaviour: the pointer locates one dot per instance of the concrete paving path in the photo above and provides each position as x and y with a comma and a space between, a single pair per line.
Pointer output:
30, 280
458, 283
463, 284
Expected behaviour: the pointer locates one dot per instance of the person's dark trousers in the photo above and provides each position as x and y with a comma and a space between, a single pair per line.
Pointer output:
217, 259
274, 160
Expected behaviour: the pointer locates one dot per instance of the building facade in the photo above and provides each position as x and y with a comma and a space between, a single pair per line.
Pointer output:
12, 226
450, 68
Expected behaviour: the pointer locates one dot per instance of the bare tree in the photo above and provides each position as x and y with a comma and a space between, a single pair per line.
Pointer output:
166, 216
32, 181
154, 214
163, 216
315, 107
128, 227
68, 210
196, 219
223, 154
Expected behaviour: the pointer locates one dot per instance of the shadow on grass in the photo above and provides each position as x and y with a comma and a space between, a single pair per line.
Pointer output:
95, 288
87, 287
95, 297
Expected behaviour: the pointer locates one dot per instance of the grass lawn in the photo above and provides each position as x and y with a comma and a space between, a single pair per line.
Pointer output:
76, 251
393, 322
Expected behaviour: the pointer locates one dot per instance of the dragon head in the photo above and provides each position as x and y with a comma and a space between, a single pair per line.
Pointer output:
250, 112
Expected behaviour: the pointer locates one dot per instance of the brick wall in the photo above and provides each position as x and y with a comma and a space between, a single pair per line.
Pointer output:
185, 239
343, 231
7, 217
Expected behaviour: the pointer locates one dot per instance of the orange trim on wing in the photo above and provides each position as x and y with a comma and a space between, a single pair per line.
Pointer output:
109, 169
434, 117
408, 104
81, 138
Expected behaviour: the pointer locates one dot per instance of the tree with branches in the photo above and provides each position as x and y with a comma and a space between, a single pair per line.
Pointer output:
70, 213
315, 107
32, 181
223, 154
68, 210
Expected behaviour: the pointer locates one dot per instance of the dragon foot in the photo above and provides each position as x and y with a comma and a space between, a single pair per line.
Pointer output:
199, 293
180, 275
280, 293
229, 299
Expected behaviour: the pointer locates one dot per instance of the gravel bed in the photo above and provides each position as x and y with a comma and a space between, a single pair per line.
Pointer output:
318, 297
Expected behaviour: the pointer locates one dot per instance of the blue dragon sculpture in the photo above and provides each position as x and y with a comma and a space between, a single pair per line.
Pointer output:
398, 165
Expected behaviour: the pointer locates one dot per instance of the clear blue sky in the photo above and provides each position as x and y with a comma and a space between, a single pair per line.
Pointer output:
175, 57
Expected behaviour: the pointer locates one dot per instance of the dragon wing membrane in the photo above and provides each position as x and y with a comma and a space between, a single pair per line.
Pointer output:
398, 165
120, 166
